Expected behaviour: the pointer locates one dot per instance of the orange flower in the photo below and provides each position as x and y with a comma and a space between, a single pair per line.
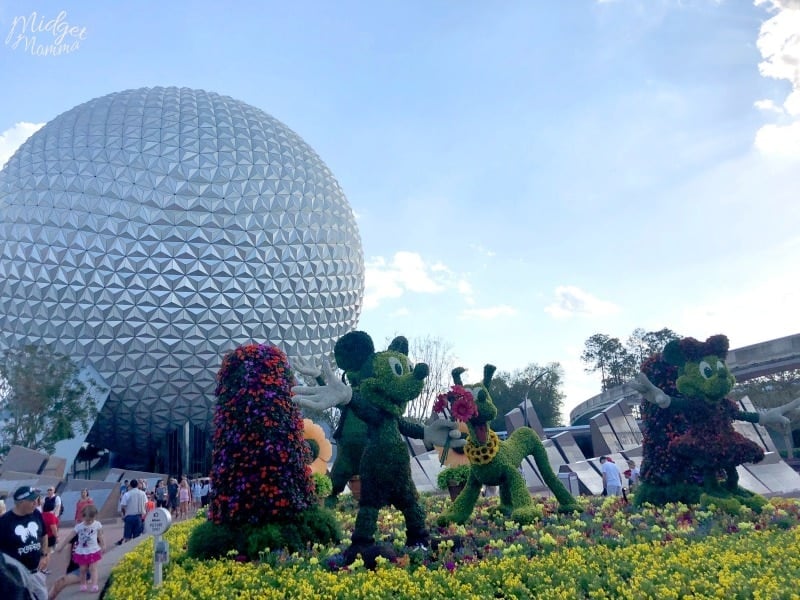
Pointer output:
312, 431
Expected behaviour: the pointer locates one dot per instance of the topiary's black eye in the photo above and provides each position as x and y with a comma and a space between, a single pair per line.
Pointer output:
720, 365
705, 370
396, 366
481, 395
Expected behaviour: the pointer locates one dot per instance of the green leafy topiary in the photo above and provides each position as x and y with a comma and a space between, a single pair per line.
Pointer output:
689, 442
448, 476
493, 462
382, 385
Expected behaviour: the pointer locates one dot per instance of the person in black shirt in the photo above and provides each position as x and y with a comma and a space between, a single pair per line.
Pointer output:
23, 536
172, 497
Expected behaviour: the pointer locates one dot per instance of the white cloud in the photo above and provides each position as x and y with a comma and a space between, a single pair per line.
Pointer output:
13, 138
779, 44
571, 301
768, 106
779, 140
408, 272
492, 312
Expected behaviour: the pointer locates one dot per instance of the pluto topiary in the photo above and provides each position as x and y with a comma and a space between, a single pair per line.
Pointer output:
495, 462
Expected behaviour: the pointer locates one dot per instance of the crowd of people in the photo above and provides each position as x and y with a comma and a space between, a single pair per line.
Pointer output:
29, 532
181, 497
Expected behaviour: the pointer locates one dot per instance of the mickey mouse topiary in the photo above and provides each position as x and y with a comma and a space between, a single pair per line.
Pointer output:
382, 385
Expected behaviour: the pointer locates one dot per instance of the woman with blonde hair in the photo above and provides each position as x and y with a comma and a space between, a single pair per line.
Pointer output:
184, 494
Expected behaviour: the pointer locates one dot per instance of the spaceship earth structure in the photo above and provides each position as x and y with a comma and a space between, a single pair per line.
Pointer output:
149, 231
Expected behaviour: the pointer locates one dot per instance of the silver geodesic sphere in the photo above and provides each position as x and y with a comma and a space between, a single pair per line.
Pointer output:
149, 231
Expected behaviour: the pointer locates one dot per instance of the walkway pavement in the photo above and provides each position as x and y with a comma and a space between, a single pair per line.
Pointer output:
112, 532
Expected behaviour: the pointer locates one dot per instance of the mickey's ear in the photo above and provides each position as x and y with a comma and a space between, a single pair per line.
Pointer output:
673, 354
352, 350
399, 344
488, 373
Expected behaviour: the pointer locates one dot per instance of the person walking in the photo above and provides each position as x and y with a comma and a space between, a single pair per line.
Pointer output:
161, 494
196, 494
72, 573
205, 491
51, 528
632, 473
184, 496
52, 502
23, 540
612, 479
89, 548
172, 497
133, 510
84, 501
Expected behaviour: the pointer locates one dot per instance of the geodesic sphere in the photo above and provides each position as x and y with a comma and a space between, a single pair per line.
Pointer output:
148, 232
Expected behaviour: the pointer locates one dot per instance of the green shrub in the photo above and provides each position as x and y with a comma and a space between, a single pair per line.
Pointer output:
209, 540
457, 475
315, 525
323, 486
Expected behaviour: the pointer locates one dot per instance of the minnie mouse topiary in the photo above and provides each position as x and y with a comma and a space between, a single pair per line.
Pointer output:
689, 437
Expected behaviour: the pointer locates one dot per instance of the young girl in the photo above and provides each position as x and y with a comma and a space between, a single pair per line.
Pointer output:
89, 547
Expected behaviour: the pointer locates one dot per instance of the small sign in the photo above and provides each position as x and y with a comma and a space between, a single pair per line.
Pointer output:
157, 521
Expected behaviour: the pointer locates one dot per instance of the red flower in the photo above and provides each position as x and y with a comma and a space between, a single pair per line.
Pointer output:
460, 402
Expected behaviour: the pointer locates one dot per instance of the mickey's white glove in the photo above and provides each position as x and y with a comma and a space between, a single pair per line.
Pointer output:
333, 393
776, 418
438, 431
650, 392
307, 368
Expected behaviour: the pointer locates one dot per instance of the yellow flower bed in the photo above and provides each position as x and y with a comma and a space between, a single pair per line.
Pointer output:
752, 564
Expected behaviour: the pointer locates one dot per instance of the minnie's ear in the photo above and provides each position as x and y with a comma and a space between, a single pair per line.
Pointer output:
352, 350
717, 345
673, 354
399, 344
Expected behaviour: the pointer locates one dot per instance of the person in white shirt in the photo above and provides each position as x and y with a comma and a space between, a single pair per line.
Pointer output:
612, 479
133, 503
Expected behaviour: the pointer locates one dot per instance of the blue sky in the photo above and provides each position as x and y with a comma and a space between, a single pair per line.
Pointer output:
524, 174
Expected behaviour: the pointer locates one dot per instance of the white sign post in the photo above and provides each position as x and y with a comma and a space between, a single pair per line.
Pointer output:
157, 522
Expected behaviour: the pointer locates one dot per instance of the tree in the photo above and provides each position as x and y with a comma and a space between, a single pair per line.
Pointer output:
607, 354
642, 344
539, 384
438, 355
43, 399
617, 363
770, 391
